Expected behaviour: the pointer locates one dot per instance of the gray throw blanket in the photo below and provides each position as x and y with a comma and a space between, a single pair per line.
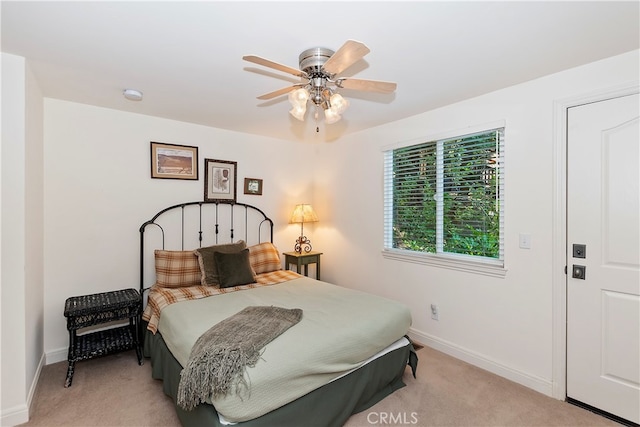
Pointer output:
220, 356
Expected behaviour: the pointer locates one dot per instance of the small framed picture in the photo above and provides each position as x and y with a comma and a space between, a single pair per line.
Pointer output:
220, 177
253, 186
171, 161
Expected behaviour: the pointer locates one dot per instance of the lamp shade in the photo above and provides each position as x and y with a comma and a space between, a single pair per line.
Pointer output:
330, 116
299, 97
302, 214
298, 112
338, 103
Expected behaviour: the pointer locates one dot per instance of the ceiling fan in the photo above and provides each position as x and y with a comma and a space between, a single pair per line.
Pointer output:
319, 70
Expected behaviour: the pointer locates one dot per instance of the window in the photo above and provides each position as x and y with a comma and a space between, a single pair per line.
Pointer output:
444, 201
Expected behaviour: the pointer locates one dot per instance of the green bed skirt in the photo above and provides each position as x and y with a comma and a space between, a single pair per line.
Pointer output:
330, 405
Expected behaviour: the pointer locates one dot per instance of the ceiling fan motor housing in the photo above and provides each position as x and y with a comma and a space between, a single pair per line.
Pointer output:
312, 60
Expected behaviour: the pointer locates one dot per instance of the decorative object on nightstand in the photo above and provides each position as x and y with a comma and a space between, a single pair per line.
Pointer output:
89, 310
305, 259
301, 214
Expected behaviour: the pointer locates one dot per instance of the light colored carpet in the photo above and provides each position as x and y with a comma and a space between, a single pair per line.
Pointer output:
115, 391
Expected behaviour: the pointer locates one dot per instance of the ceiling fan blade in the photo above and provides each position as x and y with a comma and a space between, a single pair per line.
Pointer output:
348, 54
278, 92
367, 85
267, 63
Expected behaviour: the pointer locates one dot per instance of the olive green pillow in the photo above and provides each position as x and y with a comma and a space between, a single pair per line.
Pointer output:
234, 269
207, 261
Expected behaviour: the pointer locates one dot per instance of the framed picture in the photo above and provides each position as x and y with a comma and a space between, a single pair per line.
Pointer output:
220, 178
253, 186
172, 161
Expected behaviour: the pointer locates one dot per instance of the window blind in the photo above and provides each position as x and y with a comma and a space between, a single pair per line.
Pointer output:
446, 196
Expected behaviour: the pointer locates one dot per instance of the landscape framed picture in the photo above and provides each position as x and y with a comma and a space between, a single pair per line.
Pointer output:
220, 181
171, 161
253, 186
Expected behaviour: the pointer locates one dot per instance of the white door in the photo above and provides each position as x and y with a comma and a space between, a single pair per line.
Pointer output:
603, 214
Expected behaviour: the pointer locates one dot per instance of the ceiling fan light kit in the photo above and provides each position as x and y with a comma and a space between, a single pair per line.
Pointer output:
298, 111
318, 68
330, 116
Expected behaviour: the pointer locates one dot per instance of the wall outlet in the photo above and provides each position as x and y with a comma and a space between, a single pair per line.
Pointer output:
435, 312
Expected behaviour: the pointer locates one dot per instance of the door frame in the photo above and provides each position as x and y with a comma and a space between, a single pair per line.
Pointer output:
559, 227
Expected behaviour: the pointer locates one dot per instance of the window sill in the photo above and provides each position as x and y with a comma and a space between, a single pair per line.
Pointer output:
491, 268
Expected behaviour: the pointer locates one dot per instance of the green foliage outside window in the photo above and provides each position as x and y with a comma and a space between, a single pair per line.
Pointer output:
469, 198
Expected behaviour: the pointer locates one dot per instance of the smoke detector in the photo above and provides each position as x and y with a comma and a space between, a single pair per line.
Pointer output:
132, 94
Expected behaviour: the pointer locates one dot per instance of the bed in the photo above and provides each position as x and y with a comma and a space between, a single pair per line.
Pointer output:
204, 264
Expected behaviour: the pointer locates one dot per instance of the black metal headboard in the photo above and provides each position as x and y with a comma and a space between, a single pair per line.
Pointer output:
192, 225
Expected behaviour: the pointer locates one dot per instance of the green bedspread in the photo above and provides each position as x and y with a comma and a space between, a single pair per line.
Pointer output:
340, 329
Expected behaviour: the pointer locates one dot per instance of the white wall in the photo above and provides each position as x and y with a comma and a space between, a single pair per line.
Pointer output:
504, 325
21, 256
98, 192
34, 234
13, 245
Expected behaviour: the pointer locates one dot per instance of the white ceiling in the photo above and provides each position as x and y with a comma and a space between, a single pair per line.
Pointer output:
186, 57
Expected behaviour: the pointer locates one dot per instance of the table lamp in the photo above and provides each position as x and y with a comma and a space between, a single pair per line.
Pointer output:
301, 214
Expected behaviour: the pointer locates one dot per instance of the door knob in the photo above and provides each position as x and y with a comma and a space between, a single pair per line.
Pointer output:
579, 272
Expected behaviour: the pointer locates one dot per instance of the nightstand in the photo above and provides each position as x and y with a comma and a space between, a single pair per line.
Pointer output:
304, 258
89, 310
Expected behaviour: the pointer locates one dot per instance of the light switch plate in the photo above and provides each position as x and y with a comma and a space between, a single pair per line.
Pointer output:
525, 241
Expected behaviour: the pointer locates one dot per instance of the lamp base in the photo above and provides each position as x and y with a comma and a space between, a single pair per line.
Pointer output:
302, 243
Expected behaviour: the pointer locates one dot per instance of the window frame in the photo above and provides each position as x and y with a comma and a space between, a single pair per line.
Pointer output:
494, 267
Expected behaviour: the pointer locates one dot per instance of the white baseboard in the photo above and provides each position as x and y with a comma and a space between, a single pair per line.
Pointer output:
56, 356
14, 416
20, 414
34, 384
533, 382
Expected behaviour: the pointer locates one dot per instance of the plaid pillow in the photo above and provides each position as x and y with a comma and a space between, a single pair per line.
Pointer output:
175, 269
264, 258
